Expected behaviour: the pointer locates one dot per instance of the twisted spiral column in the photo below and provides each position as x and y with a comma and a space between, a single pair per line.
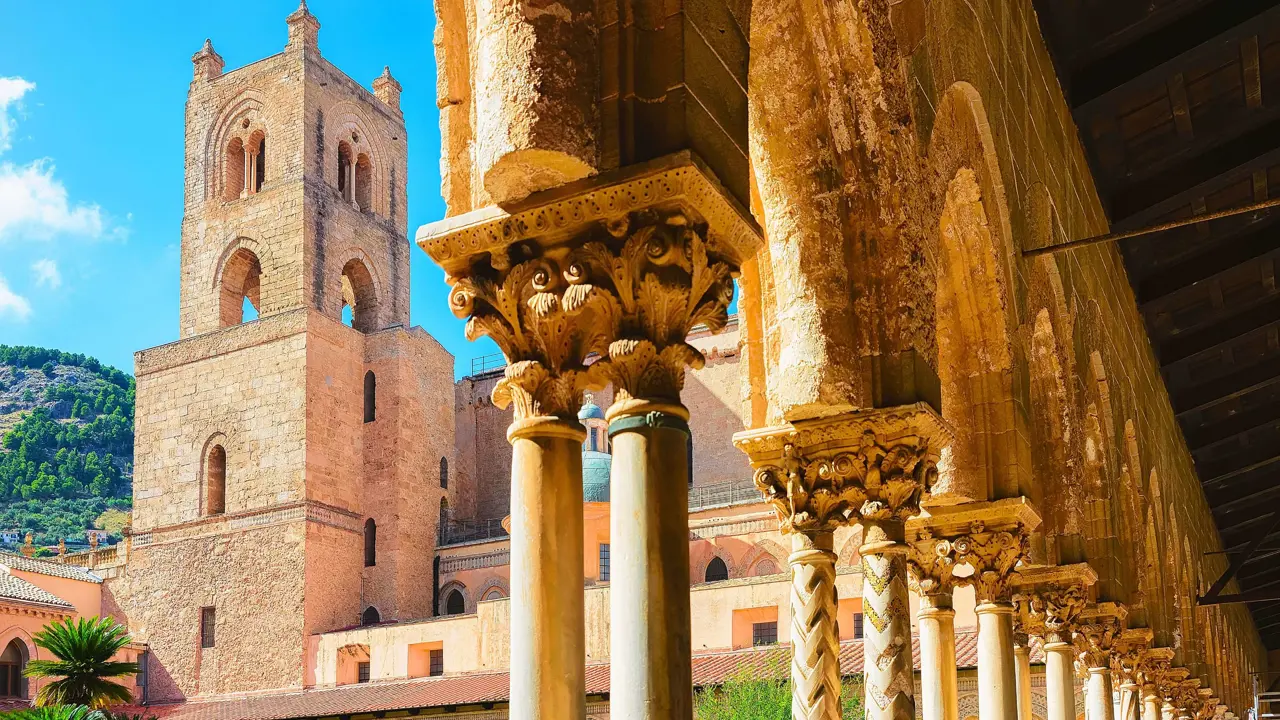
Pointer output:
815, 641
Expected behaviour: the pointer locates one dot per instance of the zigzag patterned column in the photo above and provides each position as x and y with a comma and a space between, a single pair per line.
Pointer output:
887, 631
815, 660
871, 466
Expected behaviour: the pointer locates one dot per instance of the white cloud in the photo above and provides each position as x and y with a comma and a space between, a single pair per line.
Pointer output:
46, 273
32, 201
13, 305
11, 91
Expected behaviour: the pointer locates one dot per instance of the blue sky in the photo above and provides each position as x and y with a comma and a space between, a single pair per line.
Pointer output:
91, 113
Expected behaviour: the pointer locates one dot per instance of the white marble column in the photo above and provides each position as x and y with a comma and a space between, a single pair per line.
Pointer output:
651, 670
815, 639
886, 638
938, 682
1059, 680
1100, 694
1022, 669
997, 673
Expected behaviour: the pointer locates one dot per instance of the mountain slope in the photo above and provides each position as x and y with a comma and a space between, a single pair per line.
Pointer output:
66, 442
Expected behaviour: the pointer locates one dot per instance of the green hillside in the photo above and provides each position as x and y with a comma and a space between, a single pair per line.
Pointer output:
66, 443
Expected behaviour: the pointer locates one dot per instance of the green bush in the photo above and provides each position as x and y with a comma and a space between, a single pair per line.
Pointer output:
758, 696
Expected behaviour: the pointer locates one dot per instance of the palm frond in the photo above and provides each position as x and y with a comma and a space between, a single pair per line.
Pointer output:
85, 648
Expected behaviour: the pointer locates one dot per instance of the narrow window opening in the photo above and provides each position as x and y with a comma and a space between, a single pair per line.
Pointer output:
454, 604
241, 287
604, 562
208, 621
444, 473
260, 172
216, 481
857, 626
370, 396
370, 543
359, 297
717, 570
344, 171
370, 616
233, 179
764, 633
364, 183
437, 663
362, 672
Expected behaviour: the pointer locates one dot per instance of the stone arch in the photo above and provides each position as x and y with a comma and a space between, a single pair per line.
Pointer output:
764, 549
28, 648
468, 605
492, 585
850, 554
975, 316
213, 475
362, 292
237, 274
716, 551
243, 116
349, 126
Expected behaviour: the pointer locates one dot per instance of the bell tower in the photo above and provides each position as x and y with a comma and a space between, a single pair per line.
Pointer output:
288, 444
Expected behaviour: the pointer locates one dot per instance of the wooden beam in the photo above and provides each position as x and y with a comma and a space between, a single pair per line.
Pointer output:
1199, 438
1220, 330
1216, 259
1249, 379
1179, 107
1214, 596
1252, 71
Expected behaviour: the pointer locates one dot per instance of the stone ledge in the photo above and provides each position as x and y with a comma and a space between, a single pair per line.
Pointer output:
216, 525
220, 342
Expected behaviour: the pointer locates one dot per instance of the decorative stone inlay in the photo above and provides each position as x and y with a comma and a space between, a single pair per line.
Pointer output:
870, 465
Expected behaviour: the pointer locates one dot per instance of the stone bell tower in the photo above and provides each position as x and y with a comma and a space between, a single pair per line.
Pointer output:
289, 445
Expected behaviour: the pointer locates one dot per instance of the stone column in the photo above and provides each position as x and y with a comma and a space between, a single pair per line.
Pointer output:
1150, 703
651, 671
1100, 630
581, 289
252, 187
1022, 669
872, 466
548, 639
1053, 610
938, 680
248, 168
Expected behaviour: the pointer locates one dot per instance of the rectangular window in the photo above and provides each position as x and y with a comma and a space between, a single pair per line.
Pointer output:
764, 633
437, 662
142, 674
604, 562
208, 619
362, 672
857, 625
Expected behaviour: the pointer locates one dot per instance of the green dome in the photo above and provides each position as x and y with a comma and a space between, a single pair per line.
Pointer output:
595, 476
589, 411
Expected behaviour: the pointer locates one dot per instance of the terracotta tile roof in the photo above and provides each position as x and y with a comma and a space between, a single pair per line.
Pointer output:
474, 688
23, 563
15, 588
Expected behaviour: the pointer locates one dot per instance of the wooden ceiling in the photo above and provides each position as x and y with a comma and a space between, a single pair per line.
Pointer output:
1178, 105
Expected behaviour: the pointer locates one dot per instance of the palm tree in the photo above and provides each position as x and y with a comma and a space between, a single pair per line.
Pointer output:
55, 712
84, 648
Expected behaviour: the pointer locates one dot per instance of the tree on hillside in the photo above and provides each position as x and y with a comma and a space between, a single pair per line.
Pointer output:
85, 648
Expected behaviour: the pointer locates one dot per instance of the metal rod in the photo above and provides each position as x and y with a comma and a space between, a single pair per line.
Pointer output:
1173, 224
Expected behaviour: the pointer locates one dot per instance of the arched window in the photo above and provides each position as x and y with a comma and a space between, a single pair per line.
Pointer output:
364, 182
233, 179
345, 176
494, 594
444, 473
370, 616
241, 280
370, 396
215, 483
764, 567
454, 604
370, 543
358, 294
717, 570
12, 662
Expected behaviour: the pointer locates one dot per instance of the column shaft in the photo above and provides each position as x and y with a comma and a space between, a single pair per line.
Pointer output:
1100, 695
1022, 670
244, 192
651, 669
1059, 681
1150, 705
997, 677
548, 635
815, 639
1130, 702
938, 683
889, 675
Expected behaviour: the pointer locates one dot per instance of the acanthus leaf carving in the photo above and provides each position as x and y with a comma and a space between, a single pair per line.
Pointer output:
1052, 611
994, 558
1096, 640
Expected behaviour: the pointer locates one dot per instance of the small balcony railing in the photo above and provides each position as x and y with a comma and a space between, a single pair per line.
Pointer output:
738, 492
453, 532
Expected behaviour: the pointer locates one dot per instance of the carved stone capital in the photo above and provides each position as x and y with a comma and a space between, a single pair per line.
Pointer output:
1051, 612
1096, 640
867, 466
598, 281
984, 540
1127, 654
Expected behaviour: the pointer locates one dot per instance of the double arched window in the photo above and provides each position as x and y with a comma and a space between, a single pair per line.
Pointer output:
355, 172
244, 164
